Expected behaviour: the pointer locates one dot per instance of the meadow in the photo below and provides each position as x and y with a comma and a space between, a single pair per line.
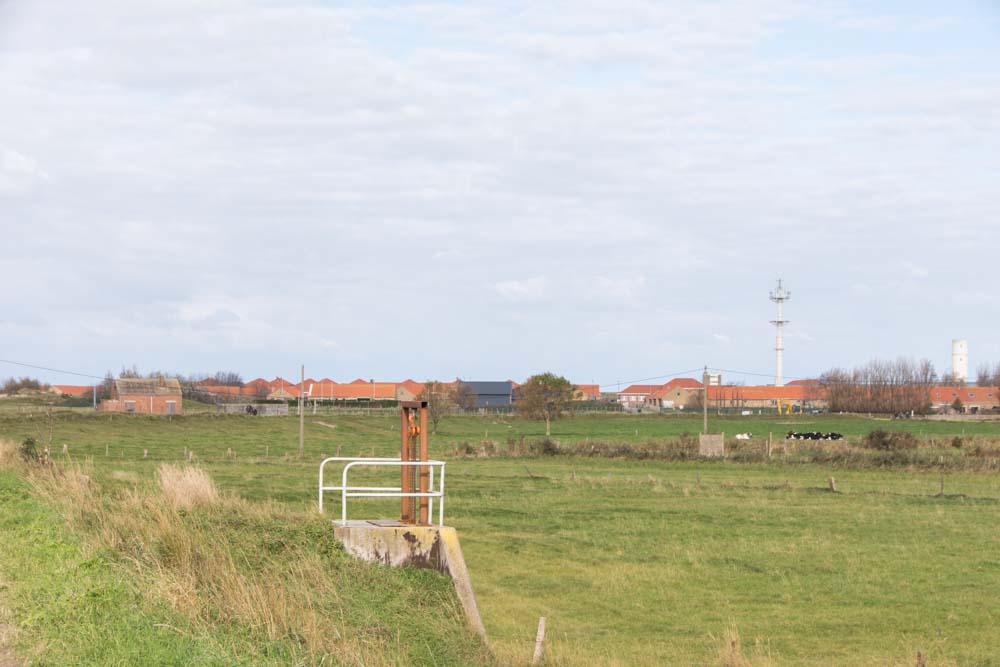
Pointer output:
640, 559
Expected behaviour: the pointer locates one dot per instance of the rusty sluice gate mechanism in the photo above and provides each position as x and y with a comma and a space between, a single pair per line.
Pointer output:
413, 429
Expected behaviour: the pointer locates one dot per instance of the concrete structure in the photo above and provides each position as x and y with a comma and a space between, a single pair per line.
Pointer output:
712, 445
779, 296
256, 409
398, 545
151, 396
960, 360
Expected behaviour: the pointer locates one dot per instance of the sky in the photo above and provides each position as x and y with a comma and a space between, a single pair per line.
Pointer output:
486, 190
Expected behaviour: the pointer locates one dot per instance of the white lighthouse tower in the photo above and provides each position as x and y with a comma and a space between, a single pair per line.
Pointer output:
779, 296
960, 360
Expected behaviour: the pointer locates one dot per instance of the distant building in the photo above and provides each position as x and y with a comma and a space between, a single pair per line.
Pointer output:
492, 394
974, 399
674, 395
73, 390
633, 397
804, 396
587, 392
149, 396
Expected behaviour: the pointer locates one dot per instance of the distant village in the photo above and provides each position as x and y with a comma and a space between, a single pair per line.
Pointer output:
164, 395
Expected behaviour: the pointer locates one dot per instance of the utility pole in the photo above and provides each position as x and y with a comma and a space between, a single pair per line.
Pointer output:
95, 395
779, 296
704, 401
302, 413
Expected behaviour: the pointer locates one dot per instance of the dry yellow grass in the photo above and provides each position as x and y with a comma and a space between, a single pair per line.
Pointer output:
187, 486
9, 456
182, 558
731, 652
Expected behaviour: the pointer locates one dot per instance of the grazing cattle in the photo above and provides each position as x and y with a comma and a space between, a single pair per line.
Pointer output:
812, 435
744, 436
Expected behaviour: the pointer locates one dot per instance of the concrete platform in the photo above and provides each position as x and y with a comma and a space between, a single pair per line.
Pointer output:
402, 545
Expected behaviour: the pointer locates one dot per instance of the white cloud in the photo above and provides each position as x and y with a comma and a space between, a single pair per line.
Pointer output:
18, 172
528, 289
230, 177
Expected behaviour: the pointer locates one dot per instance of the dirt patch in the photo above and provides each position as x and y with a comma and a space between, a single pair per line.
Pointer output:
325, 424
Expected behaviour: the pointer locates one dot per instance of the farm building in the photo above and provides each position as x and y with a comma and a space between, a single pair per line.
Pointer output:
586, 392
674, 395
150, 396
801, 396
74, 390
492, 394
973, 399
634, 396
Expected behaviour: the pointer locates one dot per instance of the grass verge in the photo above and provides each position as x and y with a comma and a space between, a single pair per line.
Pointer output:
130, 577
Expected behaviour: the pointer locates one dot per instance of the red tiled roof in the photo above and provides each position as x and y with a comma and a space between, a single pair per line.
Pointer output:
589, 391
644, 389
766, 392
353, 390
675, 385
284, 392
965, 394
72, 389
411, 386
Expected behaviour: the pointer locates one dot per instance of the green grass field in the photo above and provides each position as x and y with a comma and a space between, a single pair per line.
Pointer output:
651, 561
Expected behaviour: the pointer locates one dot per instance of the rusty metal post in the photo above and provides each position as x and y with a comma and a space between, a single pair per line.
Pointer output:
424, 470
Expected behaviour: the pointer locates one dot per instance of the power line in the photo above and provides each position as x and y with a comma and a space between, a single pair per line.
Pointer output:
658, 377
54, 370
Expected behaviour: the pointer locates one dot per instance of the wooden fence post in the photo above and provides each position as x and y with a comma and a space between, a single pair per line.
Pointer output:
536, 659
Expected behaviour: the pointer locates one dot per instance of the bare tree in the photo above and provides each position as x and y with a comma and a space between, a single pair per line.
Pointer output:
544, 396
881, 386
465, 396
130, 372
440, 401
228, 378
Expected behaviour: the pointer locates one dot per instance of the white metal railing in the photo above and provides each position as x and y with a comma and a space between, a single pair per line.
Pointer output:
383, 491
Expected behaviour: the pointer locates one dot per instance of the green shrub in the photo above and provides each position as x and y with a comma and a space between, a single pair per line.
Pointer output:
29, 452
889, 441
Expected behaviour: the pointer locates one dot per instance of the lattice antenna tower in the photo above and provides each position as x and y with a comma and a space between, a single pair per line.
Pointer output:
779, 296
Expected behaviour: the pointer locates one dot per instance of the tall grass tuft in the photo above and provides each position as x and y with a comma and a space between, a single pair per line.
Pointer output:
186, 487
9, 456
731, 652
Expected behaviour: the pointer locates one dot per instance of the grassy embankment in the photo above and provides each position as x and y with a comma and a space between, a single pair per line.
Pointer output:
171, 572
652, 561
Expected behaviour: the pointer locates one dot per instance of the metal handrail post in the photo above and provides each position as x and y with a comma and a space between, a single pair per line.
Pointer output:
441, 504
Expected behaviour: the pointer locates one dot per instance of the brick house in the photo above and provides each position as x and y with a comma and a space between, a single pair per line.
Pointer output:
146, 396
674, 395
633, 397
